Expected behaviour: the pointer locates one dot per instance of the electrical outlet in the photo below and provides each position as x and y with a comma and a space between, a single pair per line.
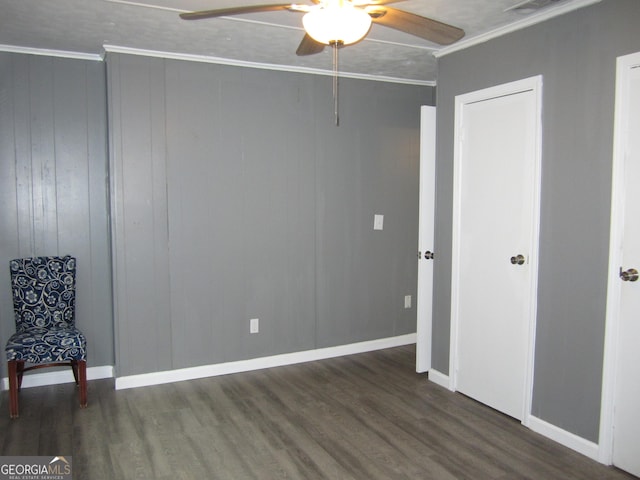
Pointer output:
407, 301
254, 325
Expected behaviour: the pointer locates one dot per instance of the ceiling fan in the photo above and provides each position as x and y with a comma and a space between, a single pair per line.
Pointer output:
344, 22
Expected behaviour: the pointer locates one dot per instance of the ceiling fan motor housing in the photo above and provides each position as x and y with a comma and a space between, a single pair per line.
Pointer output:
337, 23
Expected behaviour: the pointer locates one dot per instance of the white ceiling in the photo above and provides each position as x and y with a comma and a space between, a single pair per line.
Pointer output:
265, 39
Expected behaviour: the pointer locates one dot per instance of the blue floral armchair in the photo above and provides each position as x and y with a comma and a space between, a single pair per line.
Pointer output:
44, 297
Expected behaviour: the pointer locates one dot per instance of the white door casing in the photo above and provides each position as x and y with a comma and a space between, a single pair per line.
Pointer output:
426, 237
620, 417
497, 158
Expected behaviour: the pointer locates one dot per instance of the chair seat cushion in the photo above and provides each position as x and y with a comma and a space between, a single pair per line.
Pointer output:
40, 345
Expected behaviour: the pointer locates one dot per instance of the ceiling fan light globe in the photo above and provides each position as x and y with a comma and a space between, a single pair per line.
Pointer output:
344, 24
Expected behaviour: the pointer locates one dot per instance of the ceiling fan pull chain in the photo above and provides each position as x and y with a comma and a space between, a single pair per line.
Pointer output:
335, 46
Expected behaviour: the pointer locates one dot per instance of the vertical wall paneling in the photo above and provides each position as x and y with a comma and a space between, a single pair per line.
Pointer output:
9, 186
263, 209
53, 156
362, 168
43, 198
19, 72
141, 280
98, 285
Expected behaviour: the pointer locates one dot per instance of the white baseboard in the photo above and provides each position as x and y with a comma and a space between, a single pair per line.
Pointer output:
552, 432
59, 376
568, 439
170, 376
439, 378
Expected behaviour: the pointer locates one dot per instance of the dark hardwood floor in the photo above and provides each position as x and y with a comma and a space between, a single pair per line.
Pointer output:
366, 416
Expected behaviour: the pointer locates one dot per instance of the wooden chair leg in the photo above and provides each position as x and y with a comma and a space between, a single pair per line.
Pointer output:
20, 371
82, 382
74, 368
13, 388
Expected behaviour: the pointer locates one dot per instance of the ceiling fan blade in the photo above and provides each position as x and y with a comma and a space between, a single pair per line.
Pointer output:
223, 12
308, 46
413, 24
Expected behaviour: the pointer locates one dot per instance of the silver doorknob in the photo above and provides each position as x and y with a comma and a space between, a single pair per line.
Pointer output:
518, 260
428, 255
630, 275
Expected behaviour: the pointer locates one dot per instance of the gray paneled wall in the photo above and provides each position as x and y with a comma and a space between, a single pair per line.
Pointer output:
53, 183
235, 197
576, 55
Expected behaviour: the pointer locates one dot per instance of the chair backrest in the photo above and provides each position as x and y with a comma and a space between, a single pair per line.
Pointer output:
44, 292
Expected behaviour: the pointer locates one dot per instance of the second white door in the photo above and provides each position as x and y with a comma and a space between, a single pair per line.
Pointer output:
620, 427
496, 211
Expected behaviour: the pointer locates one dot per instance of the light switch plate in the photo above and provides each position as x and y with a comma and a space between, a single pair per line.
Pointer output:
254, 325
407, 301
378, 221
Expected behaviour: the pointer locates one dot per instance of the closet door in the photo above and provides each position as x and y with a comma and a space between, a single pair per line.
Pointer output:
495, 244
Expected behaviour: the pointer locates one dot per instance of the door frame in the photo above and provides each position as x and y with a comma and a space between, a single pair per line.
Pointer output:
426, 237
624, 64
533, 84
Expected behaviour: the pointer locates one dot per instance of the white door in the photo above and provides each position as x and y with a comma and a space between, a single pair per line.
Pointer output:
496, 190
622, 357
425, 237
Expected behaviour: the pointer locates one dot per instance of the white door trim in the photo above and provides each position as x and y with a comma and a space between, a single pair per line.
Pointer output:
624, 64
528, 84
425, 237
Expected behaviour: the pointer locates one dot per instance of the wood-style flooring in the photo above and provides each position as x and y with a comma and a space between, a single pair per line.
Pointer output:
365, 416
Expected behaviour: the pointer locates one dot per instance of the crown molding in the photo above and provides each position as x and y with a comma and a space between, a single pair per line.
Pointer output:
519, 25
51, 53
205, 59
259, 65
